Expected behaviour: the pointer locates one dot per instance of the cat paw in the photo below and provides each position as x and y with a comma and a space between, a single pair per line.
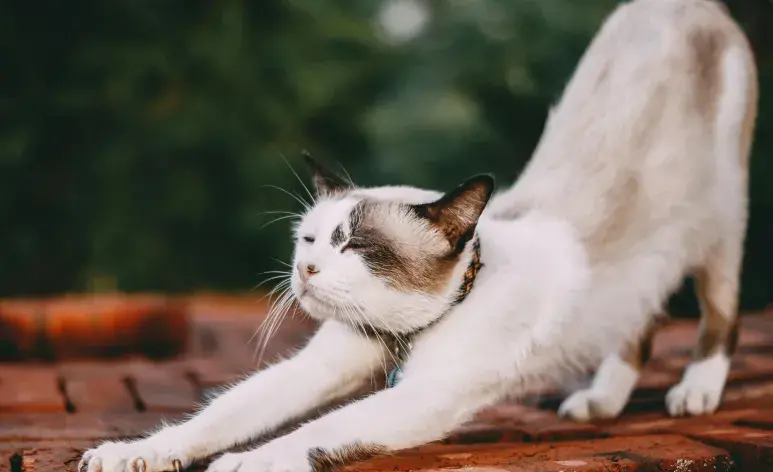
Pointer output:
700, 391
261, 461
588, 405
140, 456
611, 388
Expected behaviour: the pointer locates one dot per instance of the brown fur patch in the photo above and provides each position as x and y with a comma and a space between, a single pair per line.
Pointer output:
719, 323
457, 212
329, 460
392, 261
708, 46
716, 335
638, 352
338, 237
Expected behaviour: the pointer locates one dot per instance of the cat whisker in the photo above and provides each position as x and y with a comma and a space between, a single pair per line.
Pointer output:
401, 344
361, 316
281, 262
348, 177
359, 321
279, 219
274, 321
294, 196
269, 279
280, 212
313, 200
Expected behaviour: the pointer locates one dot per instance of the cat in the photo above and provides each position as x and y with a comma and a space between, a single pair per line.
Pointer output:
469, 297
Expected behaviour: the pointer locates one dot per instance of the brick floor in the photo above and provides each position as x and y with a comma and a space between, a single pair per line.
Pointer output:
50, 412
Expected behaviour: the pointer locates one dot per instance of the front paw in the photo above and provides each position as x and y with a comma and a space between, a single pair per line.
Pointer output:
147, 455
262, 461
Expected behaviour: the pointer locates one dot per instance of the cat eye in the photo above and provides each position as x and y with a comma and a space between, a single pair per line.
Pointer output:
308, 239
353, 244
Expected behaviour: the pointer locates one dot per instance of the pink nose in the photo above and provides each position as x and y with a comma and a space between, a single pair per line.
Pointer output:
307, 270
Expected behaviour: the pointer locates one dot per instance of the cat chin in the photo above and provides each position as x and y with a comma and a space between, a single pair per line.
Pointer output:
316, 307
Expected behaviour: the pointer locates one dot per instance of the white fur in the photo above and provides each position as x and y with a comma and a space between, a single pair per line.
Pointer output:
700, 390
574, 262
607, 395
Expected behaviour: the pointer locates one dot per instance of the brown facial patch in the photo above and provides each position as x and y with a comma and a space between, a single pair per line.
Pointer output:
328, 460
707, 46
402, 265
338, 237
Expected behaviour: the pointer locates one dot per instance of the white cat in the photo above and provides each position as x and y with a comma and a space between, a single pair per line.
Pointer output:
639, 179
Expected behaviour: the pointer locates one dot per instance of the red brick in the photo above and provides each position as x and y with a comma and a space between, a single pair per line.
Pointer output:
81, 426
482, 432
100, 395
208, 373
678, 337
752, 449
237, 342
166, 393
660, 422
94, 369
748, 395
745, 366
50, 456
655, 379
29, 390
760, 419
207, 380
751, 367
642, 453
675, 338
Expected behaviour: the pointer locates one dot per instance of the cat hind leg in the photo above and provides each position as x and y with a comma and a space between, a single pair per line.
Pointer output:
703, 382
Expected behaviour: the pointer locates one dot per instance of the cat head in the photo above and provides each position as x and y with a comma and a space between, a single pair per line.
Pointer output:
391, 258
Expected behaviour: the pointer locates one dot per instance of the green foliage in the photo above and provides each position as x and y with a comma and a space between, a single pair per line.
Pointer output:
140, 137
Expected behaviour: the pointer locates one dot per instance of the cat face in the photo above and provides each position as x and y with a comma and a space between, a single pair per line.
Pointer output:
390, 258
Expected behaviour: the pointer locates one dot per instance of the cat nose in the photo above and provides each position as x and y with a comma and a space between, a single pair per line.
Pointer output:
307, 270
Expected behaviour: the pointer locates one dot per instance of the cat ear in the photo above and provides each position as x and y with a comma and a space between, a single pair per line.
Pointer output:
326, 182
456, 213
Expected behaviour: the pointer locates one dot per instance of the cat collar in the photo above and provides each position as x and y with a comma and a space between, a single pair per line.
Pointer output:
401, 344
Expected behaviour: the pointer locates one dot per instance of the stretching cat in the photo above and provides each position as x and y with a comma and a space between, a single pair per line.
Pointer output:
640, 178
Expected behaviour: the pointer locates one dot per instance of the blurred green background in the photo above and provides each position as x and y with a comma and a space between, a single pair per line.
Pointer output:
138, 136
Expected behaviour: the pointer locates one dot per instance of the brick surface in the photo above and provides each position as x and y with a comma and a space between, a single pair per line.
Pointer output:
80, 426
174, 393
752, 449
519, 423
41, 428
100, 395
46, 456
29, 390
643, 453
762, 419
660, 422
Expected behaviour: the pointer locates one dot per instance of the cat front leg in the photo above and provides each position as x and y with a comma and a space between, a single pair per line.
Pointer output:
335, 363
414, 412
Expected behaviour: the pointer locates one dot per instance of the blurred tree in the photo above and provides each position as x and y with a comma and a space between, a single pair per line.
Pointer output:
140, 139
